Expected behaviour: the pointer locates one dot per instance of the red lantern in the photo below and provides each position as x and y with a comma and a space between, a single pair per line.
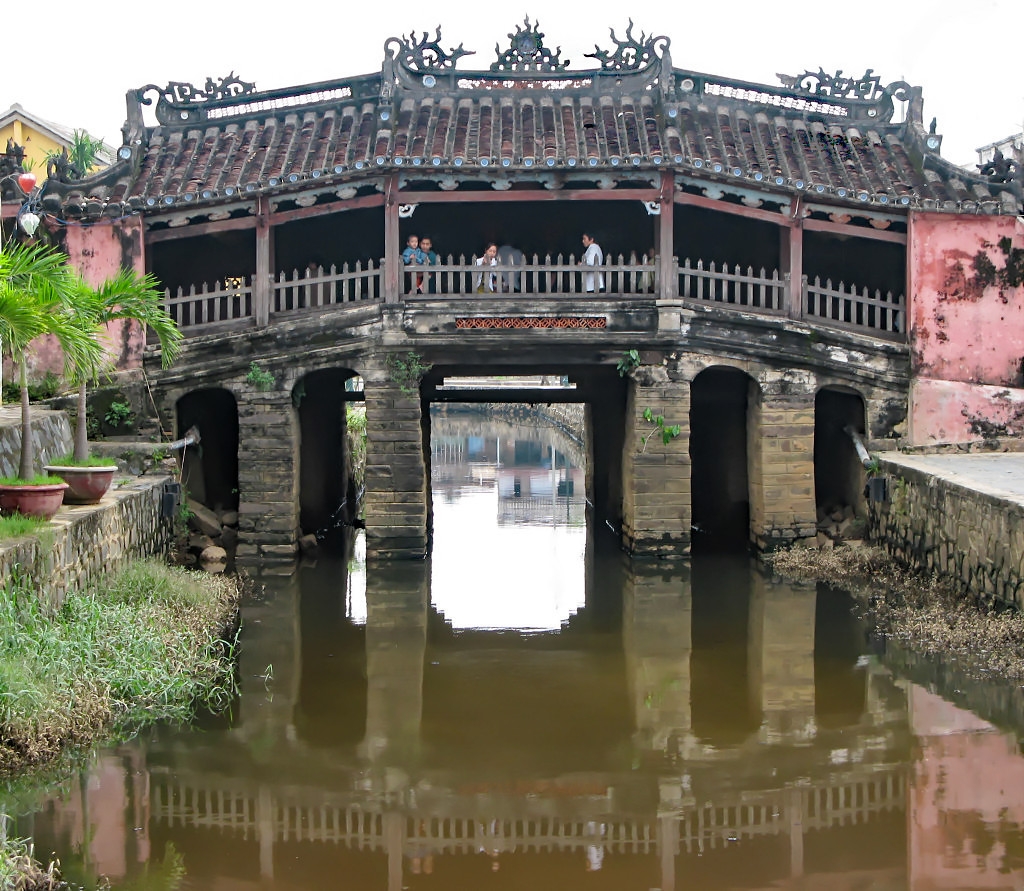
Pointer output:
27, 182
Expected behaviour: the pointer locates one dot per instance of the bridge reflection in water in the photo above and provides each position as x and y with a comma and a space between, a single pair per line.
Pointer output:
702, 726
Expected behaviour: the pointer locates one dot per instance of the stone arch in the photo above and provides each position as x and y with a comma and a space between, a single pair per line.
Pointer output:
720, 396
326, 487
838, 471
210, 472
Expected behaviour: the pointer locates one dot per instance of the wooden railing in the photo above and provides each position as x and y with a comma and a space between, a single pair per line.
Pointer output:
883, 314
316, 287
549, 276
210, 306
763, 291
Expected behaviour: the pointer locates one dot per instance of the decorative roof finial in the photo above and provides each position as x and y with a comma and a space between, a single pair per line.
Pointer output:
528, 52
631, 53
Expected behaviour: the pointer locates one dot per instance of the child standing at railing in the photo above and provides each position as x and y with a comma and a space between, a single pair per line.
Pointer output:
413, 256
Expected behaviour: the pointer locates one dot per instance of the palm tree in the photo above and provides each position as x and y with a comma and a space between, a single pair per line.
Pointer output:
37, 290
129, 296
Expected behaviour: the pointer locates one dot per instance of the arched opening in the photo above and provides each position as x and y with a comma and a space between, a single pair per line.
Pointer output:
839, 677
327, 496
718, 457
838, 472
210, 471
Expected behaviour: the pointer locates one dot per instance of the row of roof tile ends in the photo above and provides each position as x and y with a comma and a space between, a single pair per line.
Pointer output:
721, 142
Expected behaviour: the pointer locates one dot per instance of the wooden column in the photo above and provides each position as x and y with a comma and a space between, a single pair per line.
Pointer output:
261, 285
791, 254
669, 283
392, 245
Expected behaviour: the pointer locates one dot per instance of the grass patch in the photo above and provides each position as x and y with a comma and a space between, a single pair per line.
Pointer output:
926, 614
147, 646
20, 870
17, 525
91, 461
40, 479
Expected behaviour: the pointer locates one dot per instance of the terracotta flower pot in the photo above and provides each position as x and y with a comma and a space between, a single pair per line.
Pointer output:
32, 501
86, 485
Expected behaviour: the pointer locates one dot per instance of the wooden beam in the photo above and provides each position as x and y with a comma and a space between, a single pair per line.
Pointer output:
510, 196
196, 229
854, 231
319, 210
739, 210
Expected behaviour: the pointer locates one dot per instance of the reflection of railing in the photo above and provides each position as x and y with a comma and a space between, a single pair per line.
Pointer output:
559, 511
314, 817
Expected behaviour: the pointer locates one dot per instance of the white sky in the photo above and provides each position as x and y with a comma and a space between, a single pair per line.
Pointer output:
966, 56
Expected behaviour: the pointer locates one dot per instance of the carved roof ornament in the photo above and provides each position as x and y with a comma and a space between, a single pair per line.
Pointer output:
1001, 169
867, 87
178, 93
528, 52
424, 54
62, 169
630, 54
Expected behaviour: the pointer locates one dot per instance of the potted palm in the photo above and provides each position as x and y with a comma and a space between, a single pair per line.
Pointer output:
37, 288
128, 296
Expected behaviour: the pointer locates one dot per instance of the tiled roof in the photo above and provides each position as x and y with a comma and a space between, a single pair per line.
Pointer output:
426, 120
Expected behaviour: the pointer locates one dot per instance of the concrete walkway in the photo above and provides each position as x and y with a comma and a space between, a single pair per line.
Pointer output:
999, 475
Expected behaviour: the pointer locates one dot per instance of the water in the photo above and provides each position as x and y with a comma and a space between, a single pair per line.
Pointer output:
529, 710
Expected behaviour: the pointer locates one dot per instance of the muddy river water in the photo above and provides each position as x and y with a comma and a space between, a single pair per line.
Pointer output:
528, 709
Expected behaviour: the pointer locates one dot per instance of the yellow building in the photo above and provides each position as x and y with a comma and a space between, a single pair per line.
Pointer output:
40, 138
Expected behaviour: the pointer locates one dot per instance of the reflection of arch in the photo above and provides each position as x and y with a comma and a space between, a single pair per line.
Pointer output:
838, 474
324, 480
719, 398
210, 472
458, 421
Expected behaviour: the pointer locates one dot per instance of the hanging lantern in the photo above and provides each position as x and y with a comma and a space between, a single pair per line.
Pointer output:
29, 222
26, 182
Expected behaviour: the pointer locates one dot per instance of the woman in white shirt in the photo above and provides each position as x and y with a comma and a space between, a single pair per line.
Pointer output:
593, 256
487, 282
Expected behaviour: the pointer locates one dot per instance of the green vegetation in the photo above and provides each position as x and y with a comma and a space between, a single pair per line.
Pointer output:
147, 646
119, 414
45, 388
38, 479
406, 370
38, 296
630, 360
668, 433
17, 525
91, 461
260, 379
355, 431
20, 870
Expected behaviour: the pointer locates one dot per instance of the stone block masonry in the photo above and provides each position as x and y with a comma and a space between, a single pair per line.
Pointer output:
944, 516
395, 502
657, 508
51, 435
83, 544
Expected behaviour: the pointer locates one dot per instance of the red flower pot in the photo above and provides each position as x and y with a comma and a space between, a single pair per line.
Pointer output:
32, 501
86, 485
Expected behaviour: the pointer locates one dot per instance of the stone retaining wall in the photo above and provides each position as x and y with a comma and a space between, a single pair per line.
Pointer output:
51, 434
974, 539
82, 544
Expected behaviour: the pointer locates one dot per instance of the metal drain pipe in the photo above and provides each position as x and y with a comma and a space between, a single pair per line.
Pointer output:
858, 444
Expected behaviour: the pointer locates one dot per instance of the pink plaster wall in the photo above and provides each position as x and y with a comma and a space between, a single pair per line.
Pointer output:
967, 339
98, 252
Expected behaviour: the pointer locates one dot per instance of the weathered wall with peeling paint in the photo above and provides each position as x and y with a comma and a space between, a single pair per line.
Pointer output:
98, 252
967, 337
